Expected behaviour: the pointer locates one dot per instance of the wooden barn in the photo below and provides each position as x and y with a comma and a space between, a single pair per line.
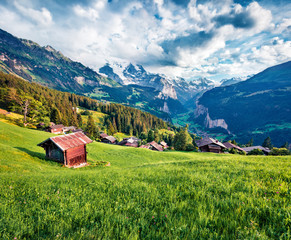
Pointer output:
69, 149
266, 151
155, 146
56, 129
109, 139
129, 142
210, 145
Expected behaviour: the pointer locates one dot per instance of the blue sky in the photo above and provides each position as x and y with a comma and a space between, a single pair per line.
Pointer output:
184, 38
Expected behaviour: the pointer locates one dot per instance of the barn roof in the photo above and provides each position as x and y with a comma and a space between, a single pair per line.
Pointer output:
231, 145
207, 141
164, 144
111, 138
103, 135
248, 149
57, 126
65, 142
156, 146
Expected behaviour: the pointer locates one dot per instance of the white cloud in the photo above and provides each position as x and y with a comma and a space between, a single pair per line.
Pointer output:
41, 17
135, 31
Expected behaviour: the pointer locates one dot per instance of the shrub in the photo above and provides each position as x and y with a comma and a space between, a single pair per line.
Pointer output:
242, 153
86, 112
233, 151
279, 151
190, 147
256, 152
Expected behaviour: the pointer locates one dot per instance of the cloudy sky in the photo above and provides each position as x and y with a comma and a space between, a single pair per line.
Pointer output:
186, 38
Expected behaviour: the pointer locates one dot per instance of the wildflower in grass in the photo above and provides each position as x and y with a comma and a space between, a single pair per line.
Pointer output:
277, 192
126, 217
153, 217
265, 193
166, 216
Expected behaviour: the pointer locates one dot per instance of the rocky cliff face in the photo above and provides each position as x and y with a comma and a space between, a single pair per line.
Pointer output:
208, 122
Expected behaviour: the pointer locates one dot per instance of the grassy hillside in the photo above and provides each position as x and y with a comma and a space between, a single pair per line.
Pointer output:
143, 194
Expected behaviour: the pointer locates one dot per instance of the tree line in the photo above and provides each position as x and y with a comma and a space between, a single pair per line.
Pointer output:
42, 104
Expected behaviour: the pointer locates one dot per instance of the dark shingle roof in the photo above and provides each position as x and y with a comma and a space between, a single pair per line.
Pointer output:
248, 149
207, 141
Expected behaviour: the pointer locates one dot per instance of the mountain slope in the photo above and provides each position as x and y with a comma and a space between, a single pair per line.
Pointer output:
47, 66
51, 68
253, 106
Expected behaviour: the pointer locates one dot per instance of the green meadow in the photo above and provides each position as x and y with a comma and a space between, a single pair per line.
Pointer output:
142, 195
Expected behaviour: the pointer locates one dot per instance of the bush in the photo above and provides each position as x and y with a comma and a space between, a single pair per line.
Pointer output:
256, 152
242, 153
233, 151
279, 152
86, 112
190, 147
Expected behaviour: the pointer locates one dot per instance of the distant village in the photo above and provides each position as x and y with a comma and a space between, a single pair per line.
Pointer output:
70, 147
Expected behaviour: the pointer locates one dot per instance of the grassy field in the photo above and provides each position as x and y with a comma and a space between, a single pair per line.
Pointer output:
142, 195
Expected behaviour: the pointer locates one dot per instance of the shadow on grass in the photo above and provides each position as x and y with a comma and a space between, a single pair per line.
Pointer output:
33, 154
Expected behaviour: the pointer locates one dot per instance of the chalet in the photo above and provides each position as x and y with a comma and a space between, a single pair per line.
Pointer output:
155, 146
265, 150
210, 145
130, 142
103, 135
69, 149
164, 145
56, 129
229, 146
109, 139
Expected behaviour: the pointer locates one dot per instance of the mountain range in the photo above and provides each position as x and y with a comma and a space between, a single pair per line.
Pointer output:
257, 107
132, 85
254, 106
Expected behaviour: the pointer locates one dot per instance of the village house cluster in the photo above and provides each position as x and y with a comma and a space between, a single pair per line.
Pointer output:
70, 148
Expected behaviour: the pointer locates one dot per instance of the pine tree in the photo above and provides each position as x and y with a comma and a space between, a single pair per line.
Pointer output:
91, 128
267, 143
286, 145
80, 120
183, 140
156, 135
110, 129
250, 143
151, 136
171, 140
56, 116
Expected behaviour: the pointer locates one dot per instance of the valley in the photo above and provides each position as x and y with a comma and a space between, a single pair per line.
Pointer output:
143, 194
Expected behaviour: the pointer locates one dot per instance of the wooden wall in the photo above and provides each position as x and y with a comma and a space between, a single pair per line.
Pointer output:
76, 156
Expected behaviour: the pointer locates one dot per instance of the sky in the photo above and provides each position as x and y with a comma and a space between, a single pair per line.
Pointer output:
179, 38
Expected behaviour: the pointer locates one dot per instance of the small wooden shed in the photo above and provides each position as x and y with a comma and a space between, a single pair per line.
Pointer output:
69, 149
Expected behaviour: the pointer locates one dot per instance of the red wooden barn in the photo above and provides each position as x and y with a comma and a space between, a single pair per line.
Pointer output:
69, 149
